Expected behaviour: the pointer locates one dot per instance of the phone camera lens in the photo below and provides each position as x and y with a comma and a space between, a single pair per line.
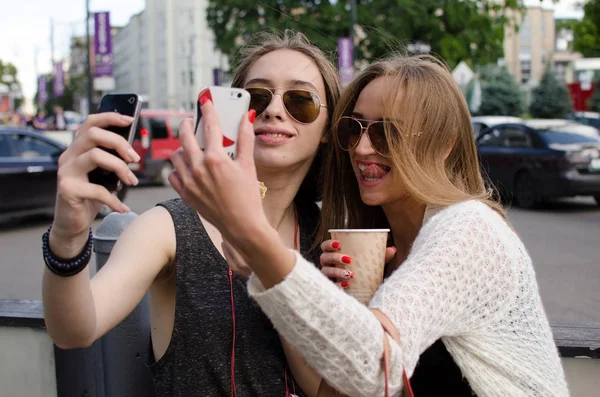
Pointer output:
239, 95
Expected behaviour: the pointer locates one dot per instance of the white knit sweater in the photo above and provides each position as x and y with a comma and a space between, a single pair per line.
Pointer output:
468, 280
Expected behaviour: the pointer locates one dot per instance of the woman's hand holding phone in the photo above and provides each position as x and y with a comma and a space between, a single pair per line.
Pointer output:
78, 201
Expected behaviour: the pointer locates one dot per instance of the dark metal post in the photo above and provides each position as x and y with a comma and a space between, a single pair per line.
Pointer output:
126, 347
79, 372
90, 85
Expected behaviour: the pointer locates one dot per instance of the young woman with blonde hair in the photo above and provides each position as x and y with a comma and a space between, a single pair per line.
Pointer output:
403, 157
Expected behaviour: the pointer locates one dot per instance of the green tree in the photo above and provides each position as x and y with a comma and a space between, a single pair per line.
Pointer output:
456, 30
9, 77
501, 95
66, 100
586, 33
551, 98
594, 101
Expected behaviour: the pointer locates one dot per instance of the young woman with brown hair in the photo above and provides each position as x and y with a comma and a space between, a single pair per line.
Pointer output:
208, 337
403, 157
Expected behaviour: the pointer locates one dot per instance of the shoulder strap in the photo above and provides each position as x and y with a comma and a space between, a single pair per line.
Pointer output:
407, 389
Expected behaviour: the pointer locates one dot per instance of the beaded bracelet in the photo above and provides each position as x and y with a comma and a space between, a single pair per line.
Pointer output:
66, 267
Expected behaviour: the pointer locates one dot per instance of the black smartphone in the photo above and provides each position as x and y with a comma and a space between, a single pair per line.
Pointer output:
126, 104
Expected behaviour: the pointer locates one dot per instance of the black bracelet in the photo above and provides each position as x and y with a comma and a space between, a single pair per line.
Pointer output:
66, 267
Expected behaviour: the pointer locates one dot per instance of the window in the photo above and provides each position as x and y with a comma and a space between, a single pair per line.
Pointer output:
477, 128
525, 30
159, 129
191, 78
493, 138
4, 148
30, 147
183, 78
543, 25
570, 134
516, 137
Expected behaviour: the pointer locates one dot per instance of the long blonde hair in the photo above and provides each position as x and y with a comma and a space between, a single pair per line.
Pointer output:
435, 119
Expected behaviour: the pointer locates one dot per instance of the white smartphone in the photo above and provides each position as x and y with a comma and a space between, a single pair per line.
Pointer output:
231, 104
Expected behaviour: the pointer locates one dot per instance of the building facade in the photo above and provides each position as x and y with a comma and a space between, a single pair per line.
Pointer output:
166, 54
529, 43
130, 48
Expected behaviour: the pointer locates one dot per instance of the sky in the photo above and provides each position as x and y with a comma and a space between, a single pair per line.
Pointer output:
25, 29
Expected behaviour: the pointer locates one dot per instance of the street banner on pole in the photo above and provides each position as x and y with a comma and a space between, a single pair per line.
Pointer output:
59, 80
42, 92
345, 57
217, 76
103, 59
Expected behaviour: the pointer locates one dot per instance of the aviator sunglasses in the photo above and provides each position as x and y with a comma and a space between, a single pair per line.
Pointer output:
302, 105
349, 131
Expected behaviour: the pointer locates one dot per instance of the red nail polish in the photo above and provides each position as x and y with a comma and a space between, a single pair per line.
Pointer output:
204, 97
346, 259
351, 274
252, 115
345, 284
335, 245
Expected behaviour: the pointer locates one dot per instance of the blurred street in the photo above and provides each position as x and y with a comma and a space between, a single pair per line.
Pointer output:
562, 238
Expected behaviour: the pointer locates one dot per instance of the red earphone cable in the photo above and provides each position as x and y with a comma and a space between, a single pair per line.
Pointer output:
233, 391
230, 272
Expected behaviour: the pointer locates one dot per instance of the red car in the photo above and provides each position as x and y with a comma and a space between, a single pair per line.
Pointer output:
155, 140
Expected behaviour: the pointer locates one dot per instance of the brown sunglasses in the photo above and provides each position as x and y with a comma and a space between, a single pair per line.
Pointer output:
302, 105
349, 131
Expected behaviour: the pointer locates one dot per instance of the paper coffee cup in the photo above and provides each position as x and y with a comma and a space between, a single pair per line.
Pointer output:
366, 247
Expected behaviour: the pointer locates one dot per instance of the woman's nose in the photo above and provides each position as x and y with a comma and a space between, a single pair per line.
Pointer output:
364, 146
276, 108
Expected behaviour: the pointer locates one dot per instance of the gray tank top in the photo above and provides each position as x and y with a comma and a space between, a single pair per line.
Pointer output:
198, 359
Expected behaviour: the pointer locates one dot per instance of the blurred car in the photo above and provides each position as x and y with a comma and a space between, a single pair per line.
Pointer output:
536, 160
155, 140
480, 123
28, 173
73, 120
587, 118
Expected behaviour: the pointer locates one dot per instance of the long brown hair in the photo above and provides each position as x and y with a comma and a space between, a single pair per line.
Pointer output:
263, 43
435, 119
